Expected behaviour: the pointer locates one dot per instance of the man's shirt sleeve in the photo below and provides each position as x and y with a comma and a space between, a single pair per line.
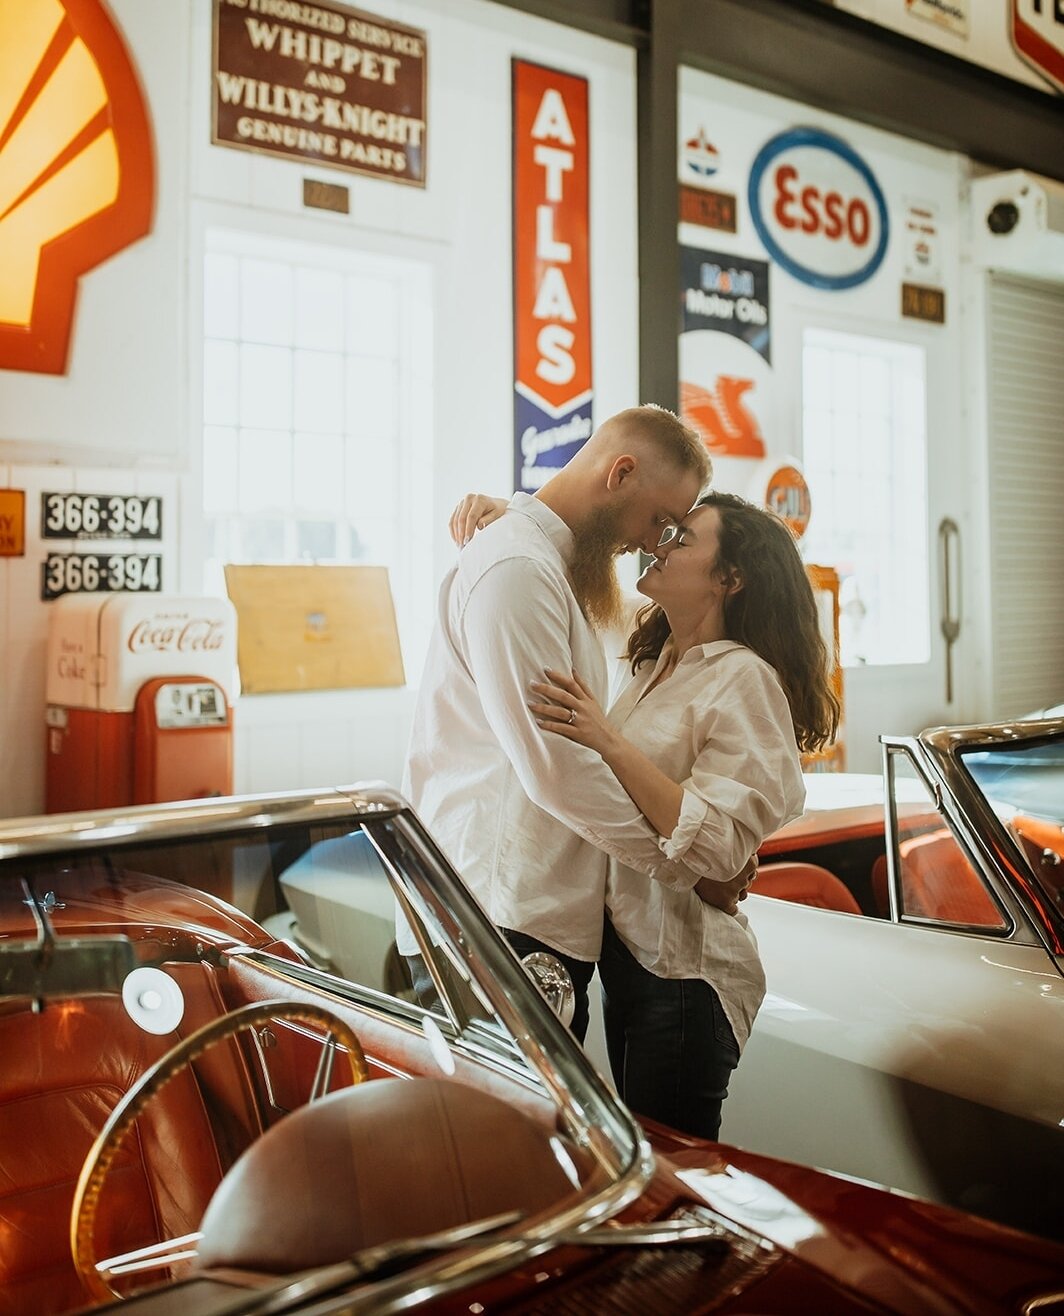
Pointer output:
515, 624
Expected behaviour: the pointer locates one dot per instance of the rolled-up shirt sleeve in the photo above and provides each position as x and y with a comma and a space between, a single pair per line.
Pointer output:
745, 782
516, 622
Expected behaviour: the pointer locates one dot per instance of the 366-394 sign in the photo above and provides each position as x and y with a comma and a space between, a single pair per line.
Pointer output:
97, 573
107, 568
100, 516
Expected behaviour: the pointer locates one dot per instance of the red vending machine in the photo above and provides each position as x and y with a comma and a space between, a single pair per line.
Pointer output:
138, 694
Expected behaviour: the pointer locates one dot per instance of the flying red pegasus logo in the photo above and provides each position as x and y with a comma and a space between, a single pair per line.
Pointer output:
727, 426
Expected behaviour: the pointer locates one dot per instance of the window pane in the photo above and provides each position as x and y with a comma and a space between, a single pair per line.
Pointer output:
265, 470
319, 391
865, 459
262, 541
319, 473
220, 295
267, 301
319, 310
372, 401
265, 386
220, 469
221, 383
372, 317
316, 540
372, 478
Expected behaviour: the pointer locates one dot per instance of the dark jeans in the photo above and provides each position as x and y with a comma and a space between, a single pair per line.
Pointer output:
671, 1047
579, 970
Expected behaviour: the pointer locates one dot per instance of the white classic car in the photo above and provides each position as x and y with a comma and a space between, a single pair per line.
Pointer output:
912, 931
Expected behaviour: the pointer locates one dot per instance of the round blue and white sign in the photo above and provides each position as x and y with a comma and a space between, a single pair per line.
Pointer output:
818, 209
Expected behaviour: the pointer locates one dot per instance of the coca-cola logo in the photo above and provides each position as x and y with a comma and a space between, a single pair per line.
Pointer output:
176, 635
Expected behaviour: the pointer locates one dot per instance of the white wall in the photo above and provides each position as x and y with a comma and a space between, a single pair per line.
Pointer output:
738, 121
131, 401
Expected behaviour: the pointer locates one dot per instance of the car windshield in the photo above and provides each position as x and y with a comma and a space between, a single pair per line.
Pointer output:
1022, 781
300, 893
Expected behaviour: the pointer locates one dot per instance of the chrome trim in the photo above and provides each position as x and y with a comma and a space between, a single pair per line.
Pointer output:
934, 754
954, 816
58, 832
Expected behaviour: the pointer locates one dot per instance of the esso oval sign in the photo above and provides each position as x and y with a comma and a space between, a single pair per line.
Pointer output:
818, 209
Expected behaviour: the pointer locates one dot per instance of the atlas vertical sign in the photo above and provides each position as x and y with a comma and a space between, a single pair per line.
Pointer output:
551, 271
77, 169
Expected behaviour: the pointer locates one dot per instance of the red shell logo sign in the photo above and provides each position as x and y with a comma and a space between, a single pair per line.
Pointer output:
77, 176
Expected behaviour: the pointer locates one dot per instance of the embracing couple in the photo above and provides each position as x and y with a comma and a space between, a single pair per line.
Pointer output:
625, 837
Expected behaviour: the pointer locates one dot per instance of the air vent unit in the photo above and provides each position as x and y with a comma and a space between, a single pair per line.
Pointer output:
1017, 224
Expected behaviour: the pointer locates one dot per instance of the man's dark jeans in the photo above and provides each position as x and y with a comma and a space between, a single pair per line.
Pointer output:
579, 970
671, 1047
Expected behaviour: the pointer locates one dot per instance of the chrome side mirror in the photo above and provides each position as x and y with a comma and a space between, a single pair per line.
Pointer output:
556, 986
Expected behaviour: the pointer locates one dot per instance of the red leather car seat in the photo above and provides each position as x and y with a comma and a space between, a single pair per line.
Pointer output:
165, 1174
391, 1159
938, 881
805, 884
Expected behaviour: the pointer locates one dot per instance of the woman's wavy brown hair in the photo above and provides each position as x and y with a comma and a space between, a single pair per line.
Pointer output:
774, 613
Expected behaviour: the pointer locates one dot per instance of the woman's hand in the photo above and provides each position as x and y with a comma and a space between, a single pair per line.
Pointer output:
473, 513
565, 706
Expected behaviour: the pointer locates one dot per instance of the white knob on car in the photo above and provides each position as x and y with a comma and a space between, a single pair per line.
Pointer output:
153, 1000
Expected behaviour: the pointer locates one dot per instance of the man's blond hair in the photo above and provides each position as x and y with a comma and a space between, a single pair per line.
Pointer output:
663, 431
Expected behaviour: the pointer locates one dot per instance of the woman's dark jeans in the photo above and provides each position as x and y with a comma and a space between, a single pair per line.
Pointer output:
671, 1047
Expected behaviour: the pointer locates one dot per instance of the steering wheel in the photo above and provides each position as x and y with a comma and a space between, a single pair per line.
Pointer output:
95, 1275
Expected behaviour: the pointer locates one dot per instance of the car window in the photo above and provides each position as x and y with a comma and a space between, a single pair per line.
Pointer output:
936, 879
1023, 782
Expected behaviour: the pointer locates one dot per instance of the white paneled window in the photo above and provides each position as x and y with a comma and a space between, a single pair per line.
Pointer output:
864, 446
317, 382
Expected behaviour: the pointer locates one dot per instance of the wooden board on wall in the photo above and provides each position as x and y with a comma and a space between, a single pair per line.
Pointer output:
314, 628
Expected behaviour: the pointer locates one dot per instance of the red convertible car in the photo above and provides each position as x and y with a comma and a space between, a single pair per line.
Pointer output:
196, 1115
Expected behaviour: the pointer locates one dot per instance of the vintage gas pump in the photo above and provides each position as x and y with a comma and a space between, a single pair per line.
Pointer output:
138, 700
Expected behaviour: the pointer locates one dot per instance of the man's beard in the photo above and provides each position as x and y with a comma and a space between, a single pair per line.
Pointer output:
592, 568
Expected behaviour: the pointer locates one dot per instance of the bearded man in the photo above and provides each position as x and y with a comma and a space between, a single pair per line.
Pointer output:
528, 820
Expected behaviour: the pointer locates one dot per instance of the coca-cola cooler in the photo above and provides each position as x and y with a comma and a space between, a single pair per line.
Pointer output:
138, 700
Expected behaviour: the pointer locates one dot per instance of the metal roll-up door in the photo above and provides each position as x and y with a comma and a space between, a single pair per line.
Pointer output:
1025, 390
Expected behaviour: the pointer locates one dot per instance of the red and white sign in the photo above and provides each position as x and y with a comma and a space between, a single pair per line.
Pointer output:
780, 486
1037, 31
552, 275
818, 209
102, 648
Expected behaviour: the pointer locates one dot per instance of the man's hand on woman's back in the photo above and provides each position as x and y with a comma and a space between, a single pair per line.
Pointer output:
726, 895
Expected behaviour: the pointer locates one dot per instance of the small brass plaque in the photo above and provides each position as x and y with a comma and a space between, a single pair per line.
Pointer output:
919, 303
326, 196
700, 205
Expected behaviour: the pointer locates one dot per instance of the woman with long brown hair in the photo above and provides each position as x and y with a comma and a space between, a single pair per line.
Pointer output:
728, 683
